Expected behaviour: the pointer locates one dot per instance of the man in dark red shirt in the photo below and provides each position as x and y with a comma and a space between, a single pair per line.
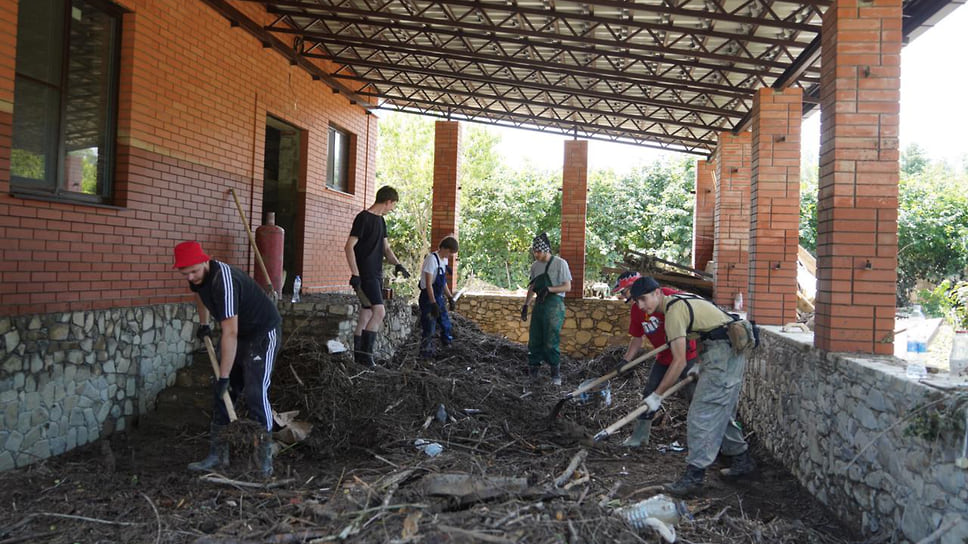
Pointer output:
650, 328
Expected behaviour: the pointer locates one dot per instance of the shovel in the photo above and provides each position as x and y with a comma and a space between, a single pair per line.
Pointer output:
643, 408
604, 378
225, 396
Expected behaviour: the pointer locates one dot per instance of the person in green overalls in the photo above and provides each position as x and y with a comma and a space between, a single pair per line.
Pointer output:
550, 280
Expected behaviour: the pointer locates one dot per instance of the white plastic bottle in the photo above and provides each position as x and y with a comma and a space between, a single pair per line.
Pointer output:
916, 345
958, 360
661, 507
296, 287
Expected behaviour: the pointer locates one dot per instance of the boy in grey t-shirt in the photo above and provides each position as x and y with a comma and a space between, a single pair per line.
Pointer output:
550, 280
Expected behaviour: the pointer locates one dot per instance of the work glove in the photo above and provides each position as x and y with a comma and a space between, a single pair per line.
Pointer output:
451, 304
542, 294
694, 371
524, 312
653, 401
203, 332
221, 386
401, 270
434, 311
619, 364
355, 282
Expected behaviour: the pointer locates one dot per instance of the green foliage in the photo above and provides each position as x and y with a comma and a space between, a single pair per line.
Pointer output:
26, 164
948, 300
932, 227
809, 173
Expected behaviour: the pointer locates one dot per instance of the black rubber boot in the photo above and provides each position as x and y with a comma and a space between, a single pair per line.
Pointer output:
366, 348
534, 373
689, 483
218, 454
555, 375
741, 465
263, 454
357, 348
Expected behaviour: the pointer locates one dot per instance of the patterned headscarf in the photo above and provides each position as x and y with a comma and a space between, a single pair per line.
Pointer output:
541, 243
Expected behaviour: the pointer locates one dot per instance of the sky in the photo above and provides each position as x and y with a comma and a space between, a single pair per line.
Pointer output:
934, 112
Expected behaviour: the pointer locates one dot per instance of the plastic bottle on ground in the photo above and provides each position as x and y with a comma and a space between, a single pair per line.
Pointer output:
296, 287
661, 507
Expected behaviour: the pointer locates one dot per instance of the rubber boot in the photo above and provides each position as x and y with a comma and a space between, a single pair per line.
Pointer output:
555, 375
534, 374
357, 349
263, 454
366, 348
689, 483
218, 453
742, 465
640, 436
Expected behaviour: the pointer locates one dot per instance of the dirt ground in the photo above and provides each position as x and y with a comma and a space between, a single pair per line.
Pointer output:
359, 477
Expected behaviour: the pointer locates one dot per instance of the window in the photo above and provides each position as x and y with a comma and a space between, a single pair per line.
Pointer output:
338, 161
65, 99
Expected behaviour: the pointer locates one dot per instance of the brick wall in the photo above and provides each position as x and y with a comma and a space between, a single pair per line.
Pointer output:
574, 203
732, 174
447, 136
704, 220
193, 100
857, 200
775, 205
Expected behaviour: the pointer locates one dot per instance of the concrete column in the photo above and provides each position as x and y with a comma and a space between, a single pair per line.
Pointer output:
443, 222
574, 200
704, 216
775, 205
733, 160
857, 201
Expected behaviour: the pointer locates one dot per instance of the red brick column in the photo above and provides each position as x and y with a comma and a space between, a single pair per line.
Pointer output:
446, 194
775, 205
857, 201
8, 52
704, 216
731, 246
574, 200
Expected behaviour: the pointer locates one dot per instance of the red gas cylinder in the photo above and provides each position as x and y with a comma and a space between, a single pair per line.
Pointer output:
270, 238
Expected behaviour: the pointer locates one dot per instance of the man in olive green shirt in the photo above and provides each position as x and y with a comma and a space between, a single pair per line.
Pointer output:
709, 426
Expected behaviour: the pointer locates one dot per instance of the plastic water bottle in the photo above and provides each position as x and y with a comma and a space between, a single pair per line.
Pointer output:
958, 360
661, 507
296, 287
916, 345
738, 302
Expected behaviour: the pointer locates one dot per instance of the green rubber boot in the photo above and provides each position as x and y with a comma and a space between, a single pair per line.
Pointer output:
640, 436
263, 454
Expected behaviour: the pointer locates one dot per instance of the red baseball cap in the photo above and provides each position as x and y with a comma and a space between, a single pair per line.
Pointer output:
189, 254
625, 281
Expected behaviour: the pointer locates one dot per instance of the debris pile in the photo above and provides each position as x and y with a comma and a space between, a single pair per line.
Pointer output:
369, 471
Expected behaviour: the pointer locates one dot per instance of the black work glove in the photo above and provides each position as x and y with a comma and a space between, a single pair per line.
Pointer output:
524, 312
401, 270
619, 364
221, 386
203, 332
434, 311
355, 282
542, 294
451, 304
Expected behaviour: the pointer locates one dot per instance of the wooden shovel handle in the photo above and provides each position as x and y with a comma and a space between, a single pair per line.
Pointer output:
643, 408
255, 248
225, 396
616, 371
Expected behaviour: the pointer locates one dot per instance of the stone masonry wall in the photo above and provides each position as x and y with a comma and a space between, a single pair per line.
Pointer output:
68, 379
816, 411
590, 326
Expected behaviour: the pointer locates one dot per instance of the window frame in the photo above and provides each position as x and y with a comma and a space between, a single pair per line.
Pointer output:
52, 187
345, 162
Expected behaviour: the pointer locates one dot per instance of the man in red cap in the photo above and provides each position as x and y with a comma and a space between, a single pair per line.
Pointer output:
251, 336
650, 327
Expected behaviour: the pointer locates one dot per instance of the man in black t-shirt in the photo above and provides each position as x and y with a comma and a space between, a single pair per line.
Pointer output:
251, 336
365, 248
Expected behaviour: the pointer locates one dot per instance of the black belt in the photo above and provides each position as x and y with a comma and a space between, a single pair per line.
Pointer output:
718, 333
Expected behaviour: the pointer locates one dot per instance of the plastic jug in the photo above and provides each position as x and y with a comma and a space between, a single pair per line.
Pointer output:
916, 345
958, 360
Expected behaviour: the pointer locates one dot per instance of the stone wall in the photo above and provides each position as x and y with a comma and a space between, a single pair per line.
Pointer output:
591, 324
68, 379
817, 411
333, 317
